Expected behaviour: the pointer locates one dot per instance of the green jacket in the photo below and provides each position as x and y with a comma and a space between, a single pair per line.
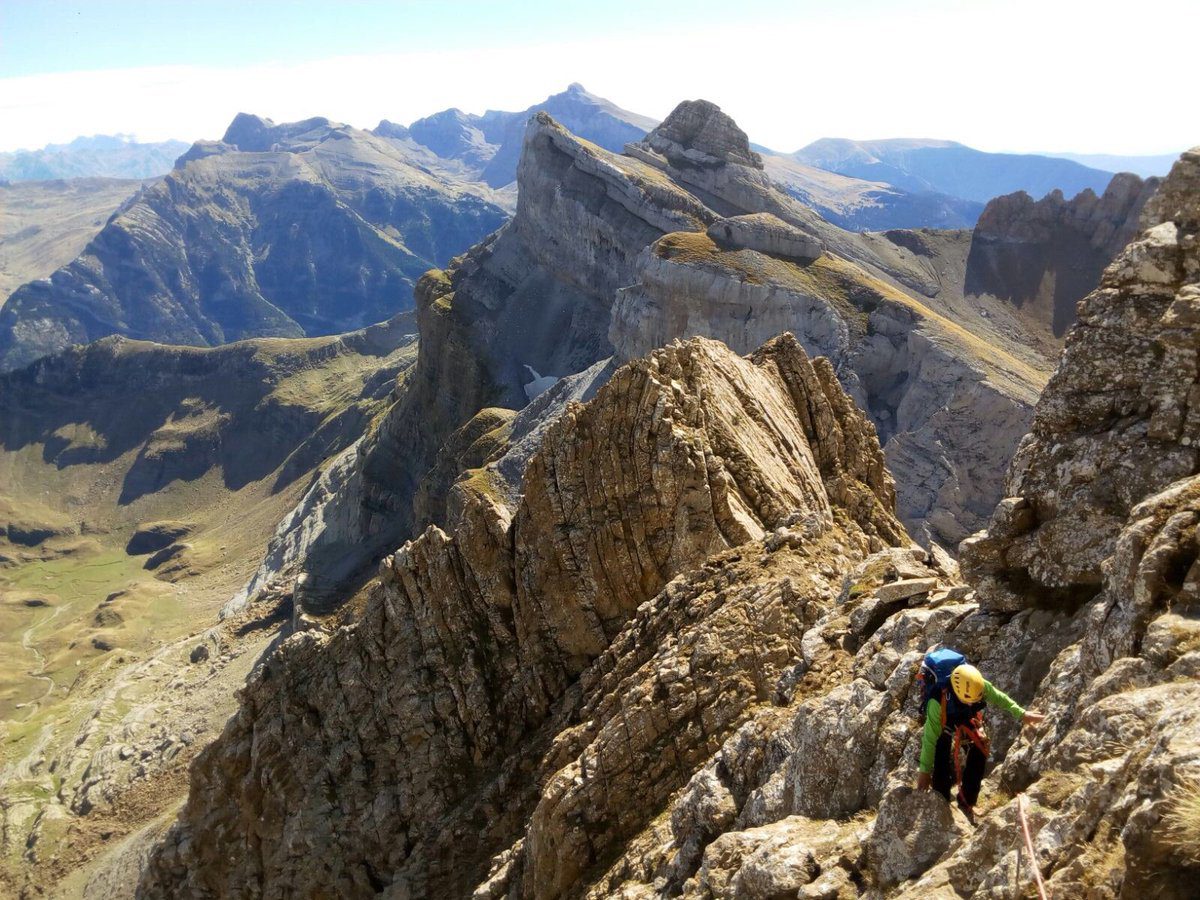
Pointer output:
933, 721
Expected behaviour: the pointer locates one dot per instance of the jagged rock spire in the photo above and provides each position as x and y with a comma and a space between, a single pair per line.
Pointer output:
1119, 420
698, 132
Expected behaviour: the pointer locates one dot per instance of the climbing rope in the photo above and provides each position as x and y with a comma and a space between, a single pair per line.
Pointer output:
1037, 873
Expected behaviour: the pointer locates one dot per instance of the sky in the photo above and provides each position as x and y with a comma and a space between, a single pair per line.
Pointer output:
1003, 75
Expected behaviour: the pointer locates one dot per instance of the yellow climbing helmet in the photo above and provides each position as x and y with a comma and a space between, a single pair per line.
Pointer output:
967, 682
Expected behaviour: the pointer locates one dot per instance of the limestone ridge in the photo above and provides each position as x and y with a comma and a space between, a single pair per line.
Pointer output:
487, 631
302, 229
1047, 254
765, 270
535, 293
1122, 412
609, 252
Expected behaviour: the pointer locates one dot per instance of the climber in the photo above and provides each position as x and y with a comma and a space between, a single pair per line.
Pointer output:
954, 718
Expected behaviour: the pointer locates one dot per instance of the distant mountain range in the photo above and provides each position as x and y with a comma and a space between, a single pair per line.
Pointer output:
305, 229
313, 228
46, 224
101, 155
490, 144
950, 168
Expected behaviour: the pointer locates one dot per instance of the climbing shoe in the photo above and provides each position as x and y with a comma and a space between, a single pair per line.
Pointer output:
967, 809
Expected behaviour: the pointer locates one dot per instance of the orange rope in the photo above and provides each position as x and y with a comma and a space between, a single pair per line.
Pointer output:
1037, 874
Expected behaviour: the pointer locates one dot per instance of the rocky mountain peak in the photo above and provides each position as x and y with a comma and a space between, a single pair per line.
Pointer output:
1044, 255
251, 133
452, 133
389, 129
531, 605
697, 132
1118, 422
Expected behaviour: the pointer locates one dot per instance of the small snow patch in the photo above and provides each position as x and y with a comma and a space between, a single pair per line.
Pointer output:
539, 384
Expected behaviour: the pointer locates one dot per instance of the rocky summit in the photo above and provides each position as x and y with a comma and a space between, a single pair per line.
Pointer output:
609, 256
679, 660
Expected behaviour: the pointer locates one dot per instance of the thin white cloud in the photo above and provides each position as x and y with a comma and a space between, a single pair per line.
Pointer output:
1086, 77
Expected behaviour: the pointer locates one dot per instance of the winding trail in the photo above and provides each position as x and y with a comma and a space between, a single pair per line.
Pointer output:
27, 642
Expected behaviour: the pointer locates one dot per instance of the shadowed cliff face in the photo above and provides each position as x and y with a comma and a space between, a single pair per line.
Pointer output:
1047, 255
283, 231
1121, 415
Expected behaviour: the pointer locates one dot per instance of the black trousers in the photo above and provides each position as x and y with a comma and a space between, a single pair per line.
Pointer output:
972, 771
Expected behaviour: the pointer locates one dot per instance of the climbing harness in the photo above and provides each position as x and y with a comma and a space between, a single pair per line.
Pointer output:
971, 731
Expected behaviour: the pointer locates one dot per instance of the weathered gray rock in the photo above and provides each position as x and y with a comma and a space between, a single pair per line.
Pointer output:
912, 831
765, 233
905, 588
697, 133
1119, 420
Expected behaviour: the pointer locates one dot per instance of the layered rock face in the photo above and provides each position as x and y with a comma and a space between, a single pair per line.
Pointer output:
1046, 255
1121, 415
278, 230
682, 664
577, 274
536, 294
515, 622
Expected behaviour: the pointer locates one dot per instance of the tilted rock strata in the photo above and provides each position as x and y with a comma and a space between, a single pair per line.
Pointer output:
536, 293
483, 635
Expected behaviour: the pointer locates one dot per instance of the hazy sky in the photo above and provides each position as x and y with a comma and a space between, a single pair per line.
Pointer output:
1054, 75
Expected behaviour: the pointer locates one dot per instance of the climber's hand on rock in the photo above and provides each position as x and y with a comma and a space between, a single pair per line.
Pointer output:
924, 781
1032, 718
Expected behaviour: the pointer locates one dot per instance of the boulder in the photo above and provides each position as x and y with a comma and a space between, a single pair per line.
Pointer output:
766, 233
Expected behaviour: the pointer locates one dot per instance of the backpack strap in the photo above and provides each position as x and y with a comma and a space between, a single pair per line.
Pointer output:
943, 704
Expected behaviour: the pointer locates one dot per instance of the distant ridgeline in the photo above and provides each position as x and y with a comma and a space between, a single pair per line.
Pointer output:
315, 228
103, 155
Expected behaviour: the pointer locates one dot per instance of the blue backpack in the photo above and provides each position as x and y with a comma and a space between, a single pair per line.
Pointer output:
934, 678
